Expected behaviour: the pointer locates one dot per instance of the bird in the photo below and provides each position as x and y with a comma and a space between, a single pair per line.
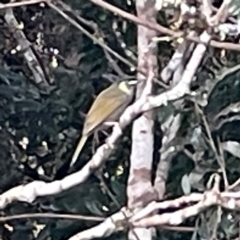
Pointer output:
107, 108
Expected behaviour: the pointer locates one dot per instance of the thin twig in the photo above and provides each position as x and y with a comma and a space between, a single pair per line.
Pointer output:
19, 4
50, 215
97, 31
90, 24
235, 184
212, 144
101, 43
114, 64
94, 39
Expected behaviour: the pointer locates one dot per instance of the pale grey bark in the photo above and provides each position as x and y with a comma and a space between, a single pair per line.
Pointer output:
25, 48
140, 191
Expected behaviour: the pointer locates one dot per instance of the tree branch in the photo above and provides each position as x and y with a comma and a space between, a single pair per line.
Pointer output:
161, 29
25, 48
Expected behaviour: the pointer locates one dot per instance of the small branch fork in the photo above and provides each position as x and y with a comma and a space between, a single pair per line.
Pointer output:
196, 202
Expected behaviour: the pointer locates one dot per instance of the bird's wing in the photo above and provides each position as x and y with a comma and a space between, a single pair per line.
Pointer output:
102, 109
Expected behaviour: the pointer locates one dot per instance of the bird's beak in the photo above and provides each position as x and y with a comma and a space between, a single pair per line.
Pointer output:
134, 82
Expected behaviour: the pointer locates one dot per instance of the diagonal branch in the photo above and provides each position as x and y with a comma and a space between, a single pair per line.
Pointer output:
100, 42
92, 37
25, 48
36, 189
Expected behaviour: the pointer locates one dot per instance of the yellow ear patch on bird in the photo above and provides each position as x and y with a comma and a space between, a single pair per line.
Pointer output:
123, 86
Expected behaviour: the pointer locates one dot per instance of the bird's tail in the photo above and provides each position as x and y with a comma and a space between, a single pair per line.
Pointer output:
78, 149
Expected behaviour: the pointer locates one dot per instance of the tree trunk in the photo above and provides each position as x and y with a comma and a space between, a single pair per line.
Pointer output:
140, 190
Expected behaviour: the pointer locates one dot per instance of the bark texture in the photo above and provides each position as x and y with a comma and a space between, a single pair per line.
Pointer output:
140, 190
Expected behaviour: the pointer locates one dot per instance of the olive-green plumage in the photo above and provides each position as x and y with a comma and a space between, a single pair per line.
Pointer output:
107, 107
